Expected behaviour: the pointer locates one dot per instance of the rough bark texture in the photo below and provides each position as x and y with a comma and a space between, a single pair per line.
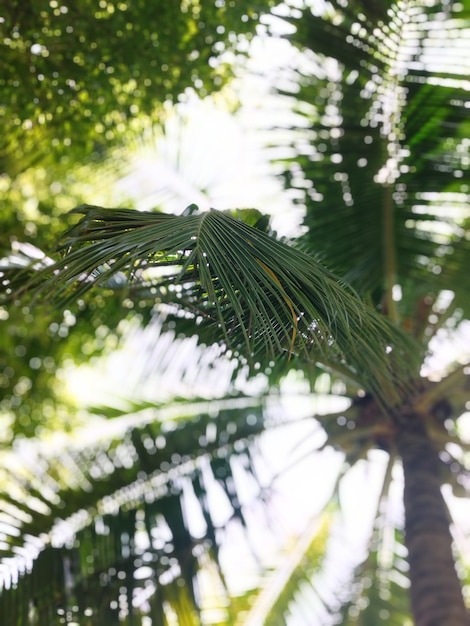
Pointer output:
436, 596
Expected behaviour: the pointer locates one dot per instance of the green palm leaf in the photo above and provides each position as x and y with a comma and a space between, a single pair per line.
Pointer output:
115, 493
382, 146
239, 285
297, 569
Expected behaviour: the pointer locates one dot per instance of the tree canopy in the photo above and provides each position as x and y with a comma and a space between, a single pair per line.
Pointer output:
77, 77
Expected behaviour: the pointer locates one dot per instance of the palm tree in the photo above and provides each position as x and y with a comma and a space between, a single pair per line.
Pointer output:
378, 161
386, 209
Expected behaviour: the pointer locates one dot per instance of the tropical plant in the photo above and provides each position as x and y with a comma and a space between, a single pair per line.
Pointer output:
378, 161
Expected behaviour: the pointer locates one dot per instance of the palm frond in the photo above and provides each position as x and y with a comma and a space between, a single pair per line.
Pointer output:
238, 284
279, 592
109, 509
381, 149
336, 586
380, 591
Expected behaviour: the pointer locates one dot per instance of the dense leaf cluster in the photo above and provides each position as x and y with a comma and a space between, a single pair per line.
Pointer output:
76, 77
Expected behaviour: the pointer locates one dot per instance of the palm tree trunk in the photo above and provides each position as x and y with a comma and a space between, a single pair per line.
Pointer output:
436, 595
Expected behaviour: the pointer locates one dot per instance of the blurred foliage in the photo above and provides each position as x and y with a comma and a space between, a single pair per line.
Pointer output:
383, 148
77, 77
129, 547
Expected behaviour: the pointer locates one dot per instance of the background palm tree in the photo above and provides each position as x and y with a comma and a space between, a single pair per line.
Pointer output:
378, 162
391, 157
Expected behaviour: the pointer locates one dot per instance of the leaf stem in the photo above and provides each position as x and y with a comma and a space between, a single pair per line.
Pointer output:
390, 261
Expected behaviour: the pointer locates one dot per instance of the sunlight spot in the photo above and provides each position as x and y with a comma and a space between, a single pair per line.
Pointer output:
36, 48
396, 293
